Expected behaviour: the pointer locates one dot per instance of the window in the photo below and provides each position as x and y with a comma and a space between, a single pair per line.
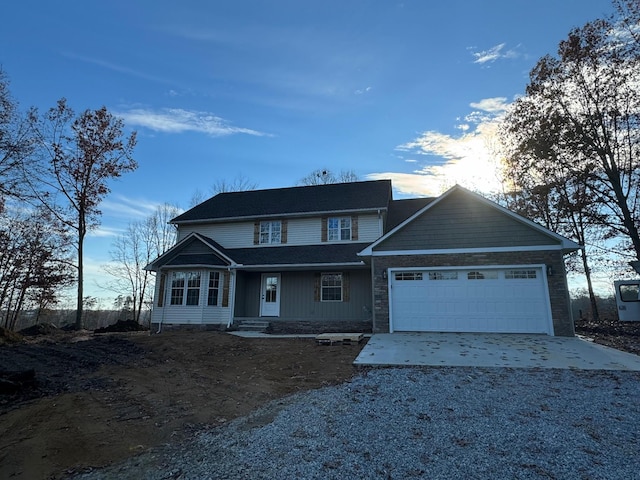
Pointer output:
338, 228
177, 288
488, 274
629, 293
331, 287
193, 288
445, 275
185, 281
409, 276
270, 232
214, 289
519, 274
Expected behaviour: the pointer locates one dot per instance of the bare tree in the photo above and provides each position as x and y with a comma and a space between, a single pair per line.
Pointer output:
15, 143
33, 263
324, 176
137, 247
239, 184
79, 157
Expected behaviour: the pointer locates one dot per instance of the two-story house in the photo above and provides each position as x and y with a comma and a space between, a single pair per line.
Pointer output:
347, 257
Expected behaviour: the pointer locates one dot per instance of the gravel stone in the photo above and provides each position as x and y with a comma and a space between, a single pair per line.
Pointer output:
431, 423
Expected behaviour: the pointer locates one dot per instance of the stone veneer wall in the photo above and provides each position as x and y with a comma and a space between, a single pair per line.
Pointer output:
558, 290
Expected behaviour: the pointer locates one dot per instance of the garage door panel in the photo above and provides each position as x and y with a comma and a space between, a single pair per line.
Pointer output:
474, 301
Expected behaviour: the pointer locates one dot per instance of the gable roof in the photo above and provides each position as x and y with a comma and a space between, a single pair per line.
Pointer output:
564, 243
215, 254
337, 197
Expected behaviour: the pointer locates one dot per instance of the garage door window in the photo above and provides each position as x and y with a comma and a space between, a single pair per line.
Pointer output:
445, 275
519, 274
409, 276
484, 275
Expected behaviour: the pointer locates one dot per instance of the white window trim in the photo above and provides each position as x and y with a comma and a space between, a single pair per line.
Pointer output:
185, 288
339, 229
322, 287
219, 287
270, 232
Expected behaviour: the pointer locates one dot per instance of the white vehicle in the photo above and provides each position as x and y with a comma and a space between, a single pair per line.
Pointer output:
628, 300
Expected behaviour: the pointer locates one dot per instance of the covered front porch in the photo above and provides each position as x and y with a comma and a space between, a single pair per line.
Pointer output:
303, 301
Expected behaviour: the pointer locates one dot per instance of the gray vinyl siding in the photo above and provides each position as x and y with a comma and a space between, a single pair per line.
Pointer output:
248, 294
460, 221
195, 247
297, 301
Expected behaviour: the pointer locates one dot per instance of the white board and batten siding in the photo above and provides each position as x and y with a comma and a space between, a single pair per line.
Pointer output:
300, 231
507, 299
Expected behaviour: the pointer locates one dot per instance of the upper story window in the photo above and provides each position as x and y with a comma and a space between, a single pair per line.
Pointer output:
270, 232
338, 228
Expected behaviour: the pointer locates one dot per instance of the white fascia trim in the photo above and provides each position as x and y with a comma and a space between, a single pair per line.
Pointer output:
298, 265
445, 251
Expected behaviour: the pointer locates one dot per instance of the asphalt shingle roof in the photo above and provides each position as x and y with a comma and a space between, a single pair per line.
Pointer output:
282, 201
298, 255
400, 210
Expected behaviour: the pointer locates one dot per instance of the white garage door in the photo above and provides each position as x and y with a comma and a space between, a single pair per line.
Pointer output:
503, 300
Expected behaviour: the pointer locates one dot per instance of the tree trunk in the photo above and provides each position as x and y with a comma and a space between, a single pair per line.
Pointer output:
79, 324
595, 315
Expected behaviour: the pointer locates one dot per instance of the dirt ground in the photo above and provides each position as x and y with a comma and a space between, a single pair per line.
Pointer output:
98, 399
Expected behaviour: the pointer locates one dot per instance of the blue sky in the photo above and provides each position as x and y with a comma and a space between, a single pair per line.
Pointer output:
272, 90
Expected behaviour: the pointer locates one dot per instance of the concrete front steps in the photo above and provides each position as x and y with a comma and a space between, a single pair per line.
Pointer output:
250, 325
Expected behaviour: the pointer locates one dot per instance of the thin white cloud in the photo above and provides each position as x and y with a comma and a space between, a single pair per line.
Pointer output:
115, 67
128, 208
104, 232
496, 52
177, 120
362, 91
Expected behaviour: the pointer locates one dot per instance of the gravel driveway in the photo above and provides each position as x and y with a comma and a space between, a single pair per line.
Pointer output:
432, 423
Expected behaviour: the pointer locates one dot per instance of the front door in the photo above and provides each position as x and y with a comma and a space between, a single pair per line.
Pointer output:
270, 301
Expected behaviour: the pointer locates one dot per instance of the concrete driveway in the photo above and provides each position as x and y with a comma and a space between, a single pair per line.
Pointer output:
493, 350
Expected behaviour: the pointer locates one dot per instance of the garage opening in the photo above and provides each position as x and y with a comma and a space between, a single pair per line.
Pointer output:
470, 299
